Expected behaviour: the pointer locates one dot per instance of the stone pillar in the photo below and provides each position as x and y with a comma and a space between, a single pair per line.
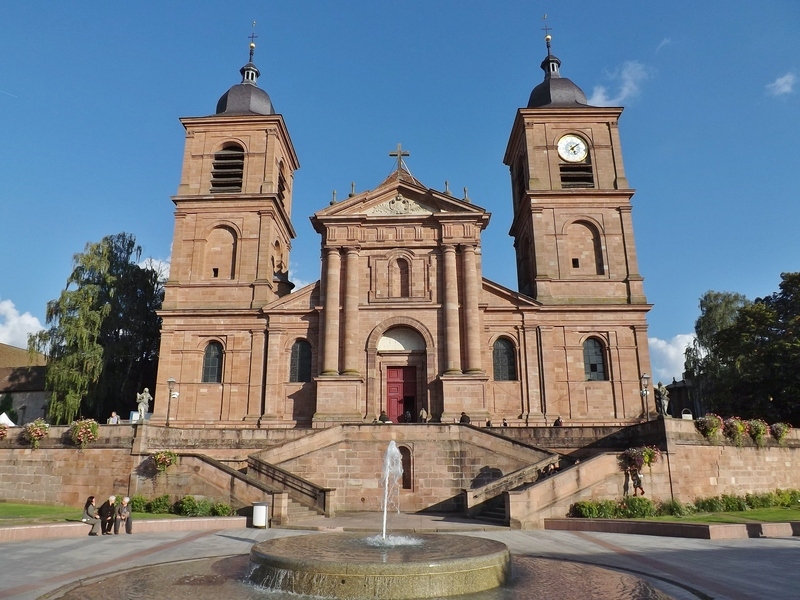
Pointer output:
351, 328
452, 331
472, 293
330, 313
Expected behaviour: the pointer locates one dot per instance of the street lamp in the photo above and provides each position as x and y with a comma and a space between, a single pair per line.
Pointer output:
645, 381
171, 386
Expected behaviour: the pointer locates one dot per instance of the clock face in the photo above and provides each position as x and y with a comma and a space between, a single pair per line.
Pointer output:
571, 148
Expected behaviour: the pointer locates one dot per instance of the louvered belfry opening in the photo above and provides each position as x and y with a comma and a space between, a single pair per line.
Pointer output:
576, 175
227, 170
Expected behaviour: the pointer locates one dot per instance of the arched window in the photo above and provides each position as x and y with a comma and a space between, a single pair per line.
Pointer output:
300, 363
594, 362
584, 248
405, 458
221, 253
212, 363
227, 170
504, 360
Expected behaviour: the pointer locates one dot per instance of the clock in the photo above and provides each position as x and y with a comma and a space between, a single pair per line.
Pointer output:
571, 148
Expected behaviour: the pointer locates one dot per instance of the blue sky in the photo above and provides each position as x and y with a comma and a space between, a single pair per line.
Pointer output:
91, 93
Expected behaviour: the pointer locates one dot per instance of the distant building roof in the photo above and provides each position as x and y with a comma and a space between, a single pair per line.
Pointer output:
11, 356
22, 379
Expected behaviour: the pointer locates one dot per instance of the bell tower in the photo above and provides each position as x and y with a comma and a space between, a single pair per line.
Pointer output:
572, 225
230, 257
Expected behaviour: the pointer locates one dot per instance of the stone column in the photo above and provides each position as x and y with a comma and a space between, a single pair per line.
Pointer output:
452, 331
330, 313
472, 290
351, 328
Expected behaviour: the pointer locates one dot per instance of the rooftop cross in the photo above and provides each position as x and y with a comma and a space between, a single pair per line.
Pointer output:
547, 36
399, 153
252, 38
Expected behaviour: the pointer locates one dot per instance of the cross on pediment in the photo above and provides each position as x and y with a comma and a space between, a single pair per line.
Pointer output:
399, 153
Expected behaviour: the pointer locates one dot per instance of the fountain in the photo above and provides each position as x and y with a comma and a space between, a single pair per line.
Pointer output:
351, 566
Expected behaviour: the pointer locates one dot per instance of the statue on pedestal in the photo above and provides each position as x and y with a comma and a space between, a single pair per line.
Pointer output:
662, 399
143, 400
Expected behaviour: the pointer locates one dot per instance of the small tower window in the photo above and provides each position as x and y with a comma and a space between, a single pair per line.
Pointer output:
212, 363
300, 363
227, 170
594, 364
504, 363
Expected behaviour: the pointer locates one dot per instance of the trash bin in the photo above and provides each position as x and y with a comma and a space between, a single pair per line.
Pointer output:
686, 414
260, 514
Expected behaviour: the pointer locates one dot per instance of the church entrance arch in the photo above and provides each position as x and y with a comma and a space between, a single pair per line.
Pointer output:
401, 365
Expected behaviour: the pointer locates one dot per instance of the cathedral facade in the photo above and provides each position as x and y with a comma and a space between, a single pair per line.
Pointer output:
402, 318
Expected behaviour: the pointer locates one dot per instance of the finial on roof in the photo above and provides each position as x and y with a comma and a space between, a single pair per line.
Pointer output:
447, 187
253, 37
352, 189
547, 36
333, 198
466, 195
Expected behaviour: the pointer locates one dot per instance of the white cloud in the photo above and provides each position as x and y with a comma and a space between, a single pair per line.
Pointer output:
15, 327
664, 42
666, 356
629, 79
782, 85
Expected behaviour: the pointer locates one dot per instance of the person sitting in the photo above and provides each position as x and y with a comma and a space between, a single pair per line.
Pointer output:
90, 516
558, 422
113, 419
505, 423
107, 515
123, 515
464, 418
384, 418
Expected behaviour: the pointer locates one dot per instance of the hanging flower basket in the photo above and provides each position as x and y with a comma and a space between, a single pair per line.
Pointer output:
83, 432
164, 459
758, 430
35, 431
3, 431
636, 458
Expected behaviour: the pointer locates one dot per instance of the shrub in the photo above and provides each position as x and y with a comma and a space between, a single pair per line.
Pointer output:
765, 500
203, 508
164, 459
83, 432
3, 431
220, 509
636, 507
138, 503
35, 431
789, 498
160, 505
735, 430
733, 503
713, 504
779, 431
186, 506
708, 426
675, 508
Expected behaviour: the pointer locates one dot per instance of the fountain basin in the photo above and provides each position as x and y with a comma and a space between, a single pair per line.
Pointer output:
345, 565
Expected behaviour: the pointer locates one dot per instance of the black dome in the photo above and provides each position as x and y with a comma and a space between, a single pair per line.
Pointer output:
556, 91
245, 99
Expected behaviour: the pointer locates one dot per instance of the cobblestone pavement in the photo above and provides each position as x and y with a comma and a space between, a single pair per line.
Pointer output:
745, 569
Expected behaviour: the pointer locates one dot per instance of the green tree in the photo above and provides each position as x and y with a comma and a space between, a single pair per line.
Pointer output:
703, 365
745, 360
103, 335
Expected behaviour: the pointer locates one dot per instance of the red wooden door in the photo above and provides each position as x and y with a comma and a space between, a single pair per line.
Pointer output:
401, 392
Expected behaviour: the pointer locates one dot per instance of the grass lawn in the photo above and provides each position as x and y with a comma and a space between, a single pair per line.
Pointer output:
31, 514
758, 515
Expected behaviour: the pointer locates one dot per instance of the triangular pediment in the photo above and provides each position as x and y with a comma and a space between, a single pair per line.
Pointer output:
302, 300
497, 296
399, 196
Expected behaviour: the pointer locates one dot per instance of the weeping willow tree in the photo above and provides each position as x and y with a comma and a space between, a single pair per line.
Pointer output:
103, 332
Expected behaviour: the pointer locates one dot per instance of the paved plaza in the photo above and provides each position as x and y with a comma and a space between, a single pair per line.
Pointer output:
742, 569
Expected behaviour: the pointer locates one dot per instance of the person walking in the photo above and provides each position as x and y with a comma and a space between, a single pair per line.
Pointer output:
636, 480
107, 515
123, 515
90, 516
423, 415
